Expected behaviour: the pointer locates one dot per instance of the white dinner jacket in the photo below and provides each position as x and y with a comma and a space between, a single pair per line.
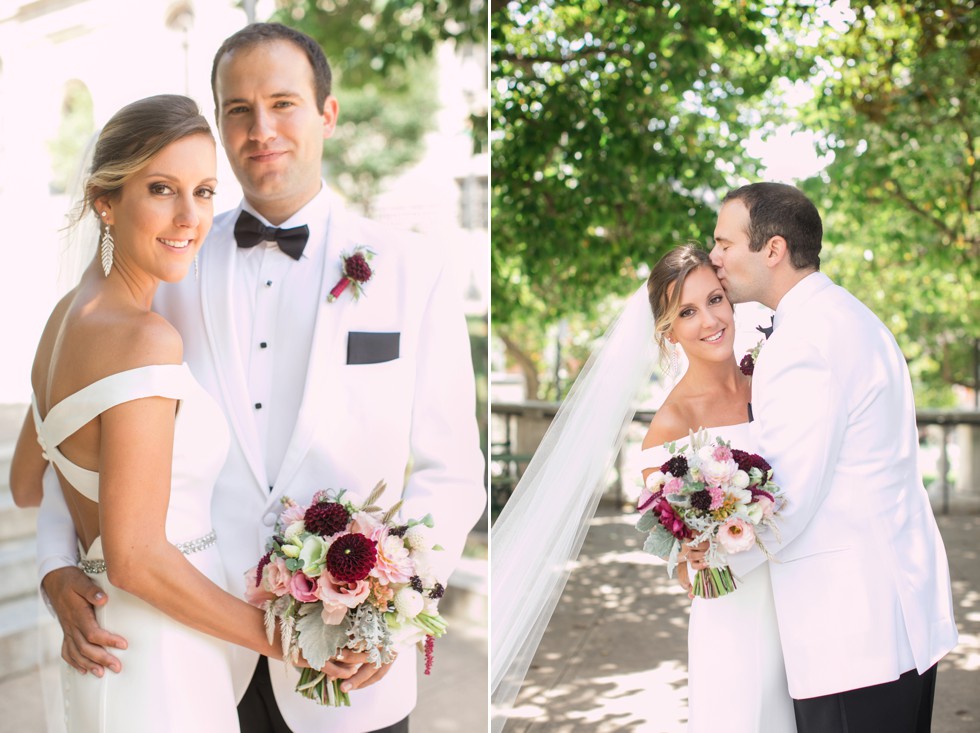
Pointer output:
410, 421
861, 581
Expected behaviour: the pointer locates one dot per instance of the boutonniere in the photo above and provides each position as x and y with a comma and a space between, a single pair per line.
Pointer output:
747, 365
356, 271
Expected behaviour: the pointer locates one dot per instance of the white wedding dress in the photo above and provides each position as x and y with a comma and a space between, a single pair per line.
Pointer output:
174, 678
736, 674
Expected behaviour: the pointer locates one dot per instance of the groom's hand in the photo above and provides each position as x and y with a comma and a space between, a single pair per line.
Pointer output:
74, 597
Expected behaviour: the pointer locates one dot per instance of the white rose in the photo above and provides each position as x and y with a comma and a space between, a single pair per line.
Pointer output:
740, 480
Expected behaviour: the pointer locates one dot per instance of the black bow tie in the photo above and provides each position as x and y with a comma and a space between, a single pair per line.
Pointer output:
249, 231
767, 330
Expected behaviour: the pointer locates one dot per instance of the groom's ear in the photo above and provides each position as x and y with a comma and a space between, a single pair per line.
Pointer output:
777, 250
330, 110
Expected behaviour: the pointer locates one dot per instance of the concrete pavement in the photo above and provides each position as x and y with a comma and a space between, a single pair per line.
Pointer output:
614, 656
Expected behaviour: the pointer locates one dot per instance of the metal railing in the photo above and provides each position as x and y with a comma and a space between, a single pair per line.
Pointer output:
507, 461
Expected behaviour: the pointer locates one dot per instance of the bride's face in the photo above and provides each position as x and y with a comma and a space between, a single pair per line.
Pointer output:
705, 323
162, 214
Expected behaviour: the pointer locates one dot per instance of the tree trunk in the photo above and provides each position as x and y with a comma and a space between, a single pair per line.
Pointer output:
532, 384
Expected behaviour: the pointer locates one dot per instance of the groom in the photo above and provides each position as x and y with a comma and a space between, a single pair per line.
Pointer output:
320, 392
861, 584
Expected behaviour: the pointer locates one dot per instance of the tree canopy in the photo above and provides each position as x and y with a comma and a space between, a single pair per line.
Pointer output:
616, 126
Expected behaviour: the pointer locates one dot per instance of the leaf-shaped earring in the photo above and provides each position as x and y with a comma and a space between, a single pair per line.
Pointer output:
105, 248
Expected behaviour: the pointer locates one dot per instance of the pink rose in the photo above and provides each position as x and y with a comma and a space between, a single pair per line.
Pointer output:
736, 535
338, 597
673, 486
767, 506
393, 564
303, 589
276, 577
255, 594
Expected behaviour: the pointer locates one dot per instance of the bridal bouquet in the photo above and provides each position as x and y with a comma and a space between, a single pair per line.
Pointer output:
338, 575
708, 491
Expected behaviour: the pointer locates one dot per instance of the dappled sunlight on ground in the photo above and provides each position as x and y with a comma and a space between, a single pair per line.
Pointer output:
614, 657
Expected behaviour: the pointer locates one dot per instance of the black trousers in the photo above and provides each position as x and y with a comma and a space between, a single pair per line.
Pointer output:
258, 712
901, 706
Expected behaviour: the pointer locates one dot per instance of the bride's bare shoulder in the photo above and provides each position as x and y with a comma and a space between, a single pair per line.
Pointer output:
669, 423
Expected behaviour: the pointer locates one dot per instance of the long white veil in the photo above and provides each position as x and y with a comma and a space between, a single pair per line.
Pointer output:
80, 238
544, 523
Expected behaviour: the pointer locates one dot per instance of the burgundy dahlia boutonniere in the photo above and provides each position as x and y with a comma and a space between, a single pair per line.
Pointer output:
747, 365
356, 271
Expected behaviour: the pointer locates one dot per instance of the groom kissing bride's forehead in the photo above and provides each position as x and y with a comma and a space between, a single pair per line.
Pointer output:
861, 586
320, 389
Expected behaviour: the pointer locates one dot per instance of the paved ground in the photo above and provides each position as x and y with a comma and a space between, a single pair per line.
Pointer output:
451, 700
613, 657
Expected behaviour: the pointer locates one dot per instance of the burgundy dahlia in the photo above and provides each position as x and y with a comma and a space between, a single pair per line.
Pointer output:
701, 500
747, 461
747, 365
357, 268
676, 466
351, 557
326, 519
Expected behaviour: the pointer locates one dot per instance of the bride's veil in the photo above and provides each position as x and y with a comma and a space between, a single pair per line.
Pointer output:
80, 237
544, 523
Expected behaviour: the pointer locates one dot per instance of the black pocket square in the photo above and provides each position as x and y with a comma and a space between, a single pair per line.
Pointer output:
365, 347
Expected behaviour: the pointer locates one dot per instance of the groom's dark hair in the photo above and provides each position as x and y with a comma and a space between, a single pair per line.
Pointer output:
776, 209
255, 34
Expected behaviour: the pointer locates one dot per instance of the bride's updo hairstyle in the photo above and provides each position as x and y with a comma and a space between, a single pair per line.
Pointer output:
135, 134
672, 269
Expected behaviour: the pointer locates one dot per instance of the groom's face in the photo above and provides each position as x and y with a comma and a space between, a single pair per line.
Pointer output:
743, 273
271, 127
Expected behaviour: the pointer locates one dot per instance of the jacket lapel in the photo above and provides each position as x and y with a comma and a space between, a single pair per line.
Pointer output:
218, 271
328, 341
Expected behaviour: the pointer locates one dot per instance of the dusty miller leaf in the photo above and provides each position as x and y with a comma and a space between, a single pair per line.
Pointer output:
319, 641
659, 542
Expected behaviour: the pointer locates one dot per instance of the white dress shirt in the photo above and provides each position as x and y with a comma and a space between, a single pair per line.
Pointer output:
276, 297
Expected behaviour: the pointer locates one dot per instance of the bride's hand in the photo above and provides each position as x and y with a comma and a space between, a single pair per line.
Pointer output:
684, 579
694, 554
337, 668
367, 675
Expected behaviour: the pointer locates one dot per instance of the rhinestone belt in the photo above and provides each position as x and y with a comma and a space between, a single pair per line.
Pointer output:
95, 567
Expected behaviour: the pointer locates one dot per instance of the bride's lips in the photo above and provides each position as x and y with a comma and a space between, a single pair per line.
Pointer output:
716, 337
176, 244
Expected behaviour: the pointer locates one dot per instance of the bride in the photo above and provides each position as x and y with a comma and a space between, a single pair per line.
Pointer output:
137, 443
691, 311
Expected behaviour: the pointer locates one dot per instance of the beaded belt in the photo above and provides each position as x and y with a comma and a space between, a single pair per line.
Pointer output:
95, 567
